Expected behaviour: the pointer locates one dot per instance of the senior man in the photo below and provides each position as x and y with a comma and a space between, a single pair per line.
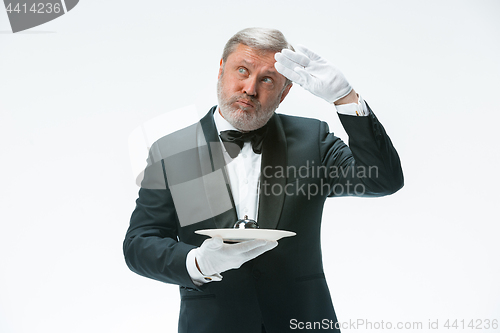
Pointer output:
244, 160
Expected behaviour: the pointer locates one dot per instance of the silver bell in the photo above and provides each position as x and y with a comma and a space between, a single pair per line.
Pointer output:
246, 223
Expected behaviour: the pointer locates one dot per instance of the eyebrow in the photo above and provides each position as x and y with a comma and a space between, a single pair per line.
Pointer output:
266, 72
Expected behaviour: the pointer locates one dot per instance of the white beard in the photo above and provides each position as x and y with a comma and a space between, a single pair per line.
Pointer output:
244, 119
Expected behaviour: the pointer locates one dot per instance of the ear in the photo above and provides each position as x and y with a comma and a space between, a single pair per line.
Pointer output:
285, 92
221, 66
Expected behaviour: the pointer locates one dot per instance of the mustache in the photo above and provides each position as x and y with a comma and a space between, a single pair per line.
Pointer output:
244, 96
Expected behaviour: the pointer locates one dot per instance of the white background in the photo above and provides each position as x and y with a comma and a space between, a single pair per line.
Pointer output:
72, 91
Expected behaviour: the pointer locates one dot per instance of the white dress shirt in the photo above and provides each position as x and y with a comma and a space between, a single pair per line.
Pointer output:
244, 173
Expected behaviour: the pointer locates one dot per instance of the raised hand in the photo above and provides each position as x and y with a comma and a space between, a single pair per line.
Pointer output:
313, 73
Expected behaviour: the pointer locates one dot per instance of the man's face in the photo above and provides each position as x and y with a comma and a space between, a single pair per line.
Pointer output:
249, 88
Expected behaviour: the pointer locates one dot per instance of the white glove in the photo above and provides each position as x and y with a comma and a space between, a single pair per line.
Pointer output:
313, 73
214, 256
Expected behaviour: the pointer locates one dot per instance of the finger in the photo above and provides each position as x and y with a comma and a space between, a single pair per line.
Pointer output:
304, 75
246, 246
300, 58
258, 251
288, 73
307, 52
285, 61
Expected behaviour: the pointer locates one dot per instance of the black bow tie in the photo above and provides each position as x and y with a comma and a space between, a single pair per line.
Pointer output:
234, 140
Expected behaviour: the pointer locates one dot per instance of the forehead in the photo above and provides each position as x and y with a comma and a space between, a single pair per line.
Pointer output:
253, 57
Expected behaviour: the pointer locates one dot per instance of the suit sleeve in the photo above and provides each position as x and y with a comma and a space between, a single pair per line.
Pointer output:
369, 166
151, 245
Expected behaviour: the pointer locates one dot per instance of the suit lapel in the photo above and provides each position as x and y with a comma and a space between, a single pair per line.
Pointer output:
212, 160
273, 157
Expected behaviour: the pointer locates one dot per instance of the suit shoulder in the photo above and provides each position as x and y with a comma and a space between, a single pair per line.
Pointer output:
178, 135
305, 130
297, 121
174, 143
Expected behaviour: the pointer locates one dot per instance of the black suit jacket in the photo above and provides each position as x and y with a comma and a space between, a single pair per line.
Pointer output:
286, 283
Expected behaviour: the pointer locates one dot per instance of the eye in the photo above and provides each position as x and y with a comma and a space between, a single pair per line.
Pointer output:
267, 80
242, 70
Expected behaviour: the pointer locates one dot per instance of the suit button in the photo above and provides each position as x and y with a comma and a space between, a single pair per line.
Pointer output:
256, 274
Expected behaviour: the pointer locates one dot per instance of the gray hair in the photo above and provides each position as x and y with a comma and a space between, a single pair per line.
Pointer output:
265, 39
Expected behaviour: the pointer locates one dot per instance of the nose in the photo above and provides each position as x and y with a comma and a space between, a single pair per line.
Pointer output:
250, 86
